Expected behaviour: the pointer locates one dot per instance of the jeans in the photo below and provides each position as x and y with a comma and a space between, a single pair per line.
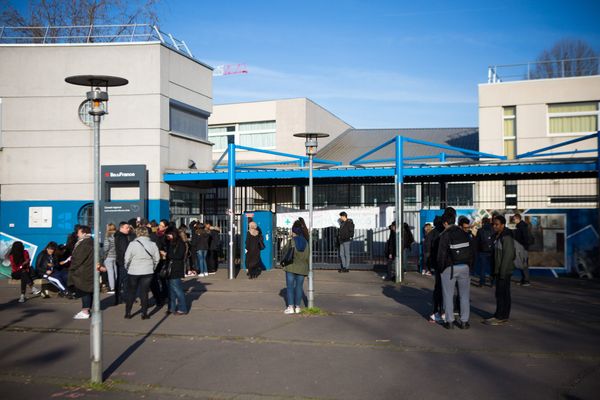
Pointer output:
294, 292
460, 275
121, 288
111, 271
86, 299
176, 295
525, 270
135, 281
345, 254
502, 298
25, 277
484, 266
201, 264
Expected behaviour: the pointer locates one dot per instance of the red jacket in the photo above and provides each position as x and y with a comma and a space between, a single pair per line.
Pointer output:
23, 266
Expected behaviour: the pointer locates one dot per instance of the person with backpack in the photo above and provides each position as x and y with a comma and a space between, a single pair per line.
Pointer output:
522, 234
454, 257
485, 244
504, 264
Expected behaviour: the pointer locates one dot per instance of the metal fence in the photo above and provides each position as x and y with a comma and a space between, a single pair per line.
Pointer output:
90, 34
544, 69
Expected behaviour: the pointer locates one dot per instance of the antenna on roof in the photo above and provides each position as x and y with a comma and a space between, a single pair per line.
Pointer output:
230, 69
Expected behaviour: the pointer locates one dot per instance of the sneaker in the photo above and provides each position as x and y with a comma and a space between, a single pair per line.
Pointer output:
35, 291
297, 310
22, 299
289, 310
449, 325
436, 318
82, 315
463, 325
110, 292
205, 274
427, 273
526, 283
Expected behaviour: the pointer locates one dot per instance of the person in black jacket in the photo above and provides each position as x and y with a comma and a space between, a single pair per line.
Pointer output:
254, 245
200, 246
122, 239
432, 242
159, 286
390, 252
344, 237
454, 257
485, 244
174, 257
523, 236
212, 257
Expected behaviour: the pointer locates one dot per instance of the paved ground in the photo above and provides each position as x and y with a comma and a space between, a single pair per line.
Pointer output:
374, 343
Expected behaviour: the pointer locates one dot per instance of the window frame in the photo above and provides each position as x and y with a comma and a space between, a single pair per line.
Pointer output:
509, 138
238, 133
550, 115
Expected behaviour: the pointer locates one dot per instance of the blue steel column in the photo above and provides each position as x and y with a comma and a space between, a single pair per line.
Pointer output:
399, 181
231, 191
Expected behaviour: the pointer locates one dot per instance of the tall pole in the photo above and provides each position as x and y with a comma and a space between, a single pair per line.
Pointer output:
96, 325
231, 188
399, 181
311, 283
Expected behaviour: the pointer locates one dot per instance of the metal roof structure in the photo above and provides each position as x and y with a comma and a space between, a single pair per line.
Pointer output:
464, 164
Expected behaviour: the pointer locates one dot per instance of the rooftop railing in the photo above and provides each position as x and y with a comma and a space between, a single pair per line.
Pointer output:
544, 70
90, 34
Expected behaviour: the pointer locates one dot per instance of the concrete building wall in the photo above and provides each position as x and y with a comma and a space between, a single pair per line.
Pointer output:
47, 152
291, 116
531, 99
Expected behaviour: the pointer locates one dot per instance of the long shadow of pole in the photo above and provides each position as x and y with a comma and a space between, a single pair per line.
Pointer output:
130, 350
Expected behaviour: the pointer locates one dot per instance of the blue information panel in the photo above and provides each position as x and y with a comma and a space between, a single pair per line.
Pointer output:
266, 224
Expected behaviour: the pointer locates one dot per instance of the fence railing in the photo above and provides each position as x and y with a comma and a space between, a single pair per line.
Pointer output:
90, 34
544, 69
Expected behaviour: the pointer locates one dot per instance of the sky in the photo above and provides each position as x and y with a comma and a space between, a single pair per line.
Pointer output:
376, 63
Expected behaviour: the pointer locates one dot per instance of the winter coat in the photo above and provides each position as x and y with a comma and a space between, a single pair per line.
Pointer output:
46, 262
176, 257
504, 254
346, 231
521, 234
485, 239
81, 271
141, 257
254, 244
121, 243
200, 241
452, 234
109, 248
300, 264
390, 245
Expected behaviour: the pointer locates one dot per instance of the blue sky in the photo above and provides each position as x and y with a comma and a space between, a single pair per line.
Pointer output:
374, 64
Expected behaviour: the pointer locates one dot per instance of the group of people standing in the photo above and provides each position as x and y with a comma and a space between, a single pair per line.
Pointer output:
452, 252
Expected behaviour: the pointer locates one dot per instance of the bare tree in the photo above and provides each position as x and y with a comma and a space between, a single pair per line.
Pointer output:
568, 57
71, 19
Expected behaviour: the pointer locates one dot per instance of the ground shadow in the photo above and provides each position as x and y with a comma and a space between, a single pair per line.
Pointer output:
193, 289
421, 300
48, 356
130, 350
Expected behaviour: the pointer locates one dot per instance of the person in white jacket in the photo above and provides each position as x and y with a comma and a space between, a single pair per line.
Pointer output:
141, 259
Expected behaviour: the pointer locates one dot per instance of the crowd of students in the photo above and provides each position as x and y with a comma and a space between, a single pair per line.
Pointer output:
138, 257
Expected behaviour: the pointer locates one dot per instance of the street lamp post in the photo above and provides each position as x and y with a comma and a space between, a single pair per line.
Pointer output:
311, 149
96, 97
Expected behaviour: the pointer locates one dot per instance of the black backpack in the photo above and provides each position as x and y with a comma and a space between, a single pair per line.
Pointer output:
460, 247
485, 239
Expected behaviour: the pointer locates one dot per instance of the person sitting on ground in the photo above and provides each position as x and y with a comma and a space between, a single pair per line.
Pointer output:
297, 270
21, 269
141, 258
47, 265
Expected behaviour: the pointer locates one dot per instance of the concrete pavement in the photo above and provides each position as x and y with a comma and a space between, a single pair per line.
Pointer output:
373, 343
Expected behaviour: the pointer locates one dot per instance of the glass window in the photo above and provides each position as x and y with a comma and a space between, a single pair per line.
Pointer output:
573, 118
460, 194
510, 132
85, 216
260, 134
188, 120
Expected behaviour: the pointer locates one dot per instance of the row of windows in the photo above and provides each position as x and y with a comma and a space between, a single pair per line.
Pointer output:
259, 134
563, 119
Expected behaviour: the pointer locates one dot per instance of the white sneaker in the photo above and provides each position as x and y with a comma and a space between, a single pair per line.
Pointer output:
110, 292
297, 310
205, 274
289, 310
82, 315
35, 291
22, 299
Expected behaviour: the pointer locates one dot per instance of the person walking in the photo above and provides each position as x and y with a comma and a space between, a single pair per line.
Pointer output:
454, 257
20, 264
110, 257
174, 262
81, 271
141, 258
504, 265
297, 270
344, 239
522, 234
254, 245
